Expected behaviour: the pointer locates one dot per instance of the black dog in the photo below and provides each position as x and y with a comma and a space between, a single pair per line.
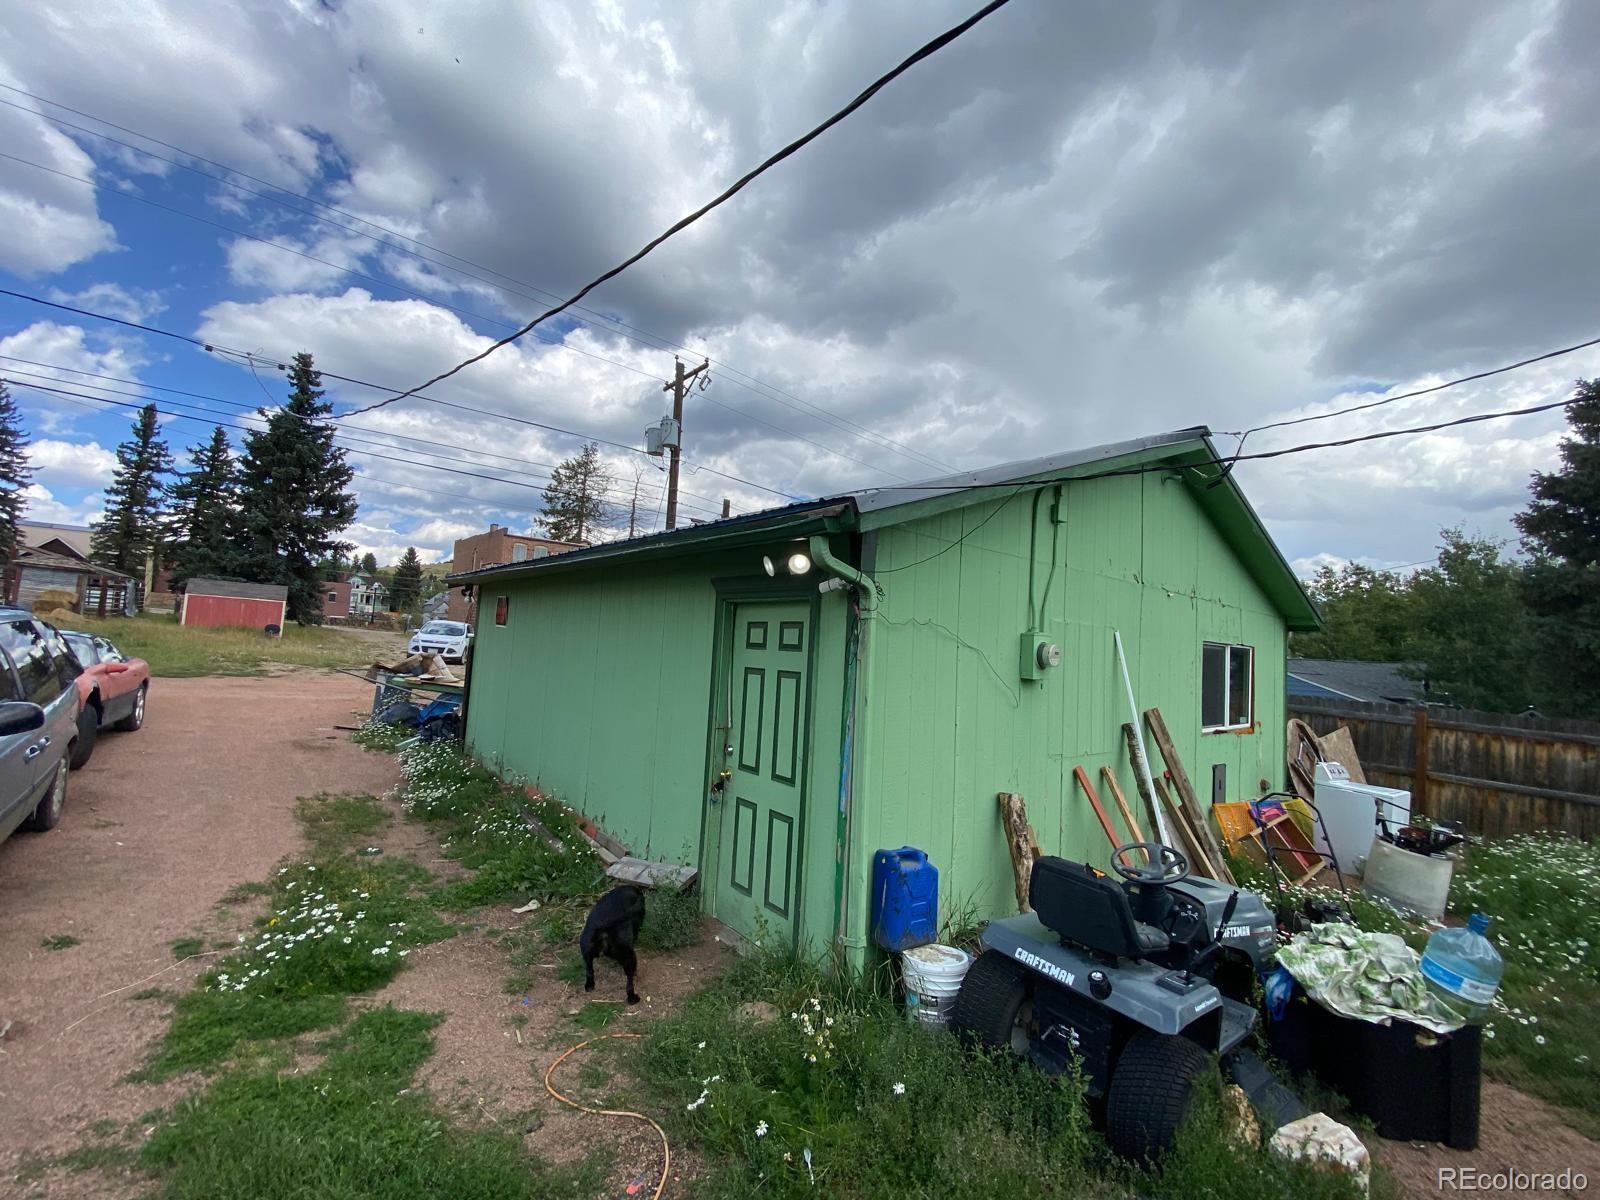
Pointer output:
613, 925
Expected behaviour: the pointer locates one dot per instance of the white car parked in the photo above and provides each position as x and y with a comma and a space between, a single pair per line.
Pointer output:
447, 639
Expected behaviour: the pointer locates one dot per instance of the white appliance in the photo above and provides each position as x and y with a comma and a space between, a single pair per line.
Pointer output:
1350, 812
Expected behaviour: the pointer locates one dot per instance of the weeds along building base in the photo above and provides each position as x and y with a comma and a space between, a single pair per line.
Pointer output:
773, 733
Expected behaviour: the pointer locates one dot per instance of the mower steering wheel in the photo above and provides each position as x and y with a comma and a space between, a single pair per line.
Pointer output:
1164, 865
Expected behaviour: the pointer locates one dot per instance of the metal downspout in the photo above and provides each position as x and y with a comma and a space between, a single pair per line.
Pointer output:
855, 744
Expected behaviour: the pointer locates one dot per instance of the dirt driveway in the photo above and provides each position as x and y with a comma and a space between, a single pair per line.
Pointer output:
157, 827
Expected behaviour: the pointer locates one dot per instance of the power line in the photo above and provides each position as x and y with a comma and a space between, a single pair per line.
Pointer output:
211, 418
250, 356
872, 89
1229, 460
515, 470
1427, 391
318, 259
360, 475
739, 378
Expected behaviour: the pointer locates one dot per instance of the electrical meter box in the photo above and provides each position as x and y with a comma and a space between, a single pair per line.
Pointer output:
1038, 654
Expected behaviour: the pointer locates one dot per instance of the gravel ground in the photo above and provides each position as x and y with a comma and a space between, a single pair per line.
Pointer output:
157, 827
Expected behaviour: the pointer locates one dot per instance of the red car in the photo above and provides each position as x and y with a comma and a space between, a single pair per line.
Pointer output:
111, 690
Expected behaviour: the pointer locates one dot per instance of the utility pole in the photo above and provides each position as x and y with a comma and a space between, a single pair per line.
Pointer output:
678, 386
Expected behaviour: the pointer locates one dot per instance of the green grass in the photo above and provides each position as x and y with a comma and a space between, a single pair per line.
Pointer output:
59, 941
1543, 893
333, 930
671, 919
175, 651
241, 893
484, 829
378, 735
348, 1129
597, 1014
337, 824
888, 1108
187, 947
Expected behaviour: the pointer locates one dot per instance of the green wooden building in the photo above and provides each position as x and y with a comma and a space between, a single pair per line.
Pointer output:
775, 729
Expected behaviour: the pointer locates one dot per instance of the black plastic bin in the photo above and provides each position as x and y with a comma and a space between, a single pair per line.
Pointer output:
1414, 1085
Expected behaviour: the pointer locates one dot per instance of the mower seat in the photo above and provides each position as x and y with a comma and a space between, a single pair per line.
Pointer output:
1090, 908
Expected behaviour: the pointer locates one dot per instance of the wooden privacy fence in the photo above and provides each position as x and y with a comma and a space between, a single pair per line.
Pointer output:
1497, 774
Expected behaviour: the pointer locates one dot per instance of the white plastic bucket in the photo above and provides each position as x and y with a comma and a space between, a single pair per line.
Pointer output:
1416, 882
933, 975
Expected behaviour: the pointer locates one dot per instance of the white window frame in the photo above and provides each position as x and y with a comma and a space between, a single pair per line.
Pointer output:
1227, 687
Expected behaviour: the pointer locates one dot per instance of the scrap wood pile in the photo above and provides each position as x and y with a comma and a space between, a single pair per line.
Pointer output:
1171, 810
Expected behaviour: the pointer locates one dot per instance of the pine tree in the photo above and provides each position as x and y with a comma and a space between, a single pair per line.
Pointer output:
1561, 587
126, 537
406, 592
204, 512
15, 474
575, 502
369, 564
293, 502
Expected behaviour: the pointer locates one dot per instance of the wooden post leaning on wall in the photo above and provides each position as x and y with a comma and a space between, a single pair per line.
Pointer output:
1020, 842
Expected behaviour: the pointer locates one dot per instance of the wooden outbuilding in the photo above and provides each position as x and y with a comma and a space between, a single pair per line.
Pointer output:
231, 602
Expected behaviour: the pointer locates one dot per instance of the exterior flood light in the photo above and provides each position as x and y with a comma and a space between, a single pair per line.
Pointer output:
798, 563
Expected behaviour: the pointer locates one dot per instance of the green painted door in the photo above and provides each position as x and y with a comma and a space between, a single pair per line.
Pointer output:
758, 855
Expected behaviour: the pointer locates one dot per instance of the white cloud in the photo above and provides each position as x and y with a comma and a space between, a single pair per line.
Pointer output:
74, 464
115, 300
48, 222
43, 506
1076, 225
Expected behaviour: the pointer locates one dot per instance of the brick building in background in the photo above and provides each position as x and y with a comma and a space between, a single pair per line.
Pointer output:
491, 549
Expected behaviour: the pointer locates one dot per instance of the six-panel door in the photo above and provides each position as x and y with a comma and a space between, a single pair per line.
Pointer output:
759, 823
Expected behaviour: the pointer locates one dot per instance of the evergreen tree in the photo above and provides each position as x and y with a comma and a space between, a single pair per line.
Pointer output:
575, 502
126, 537
1471, 632
14, 475
369, 564
1561, 587
406, 592
204, 513
293, 502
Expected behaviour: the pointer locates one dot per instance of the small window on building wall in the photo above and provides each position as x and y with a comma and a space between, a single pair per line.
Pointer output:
1227, 686
501, 605
519, 552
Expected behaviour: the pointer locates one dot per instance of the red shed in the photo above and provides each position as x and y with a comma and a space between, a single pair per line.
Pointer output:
230, 602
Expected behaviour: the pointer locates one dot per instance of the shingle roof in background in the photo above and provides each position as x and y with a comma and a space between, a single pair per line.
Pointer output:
1354, 680
236, 589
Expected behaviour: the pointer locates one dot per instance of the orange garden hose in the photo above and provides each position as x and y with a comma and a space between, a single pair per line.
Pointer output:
666, 1148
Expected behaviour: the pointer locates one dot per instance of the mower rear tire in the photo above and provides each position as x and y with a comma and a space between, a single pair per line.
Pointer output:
991, 997
1151, 1089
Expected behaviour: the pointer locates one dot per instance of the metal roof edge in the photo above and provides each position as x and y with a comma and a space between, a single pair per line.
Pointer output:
1286, 591
689, 540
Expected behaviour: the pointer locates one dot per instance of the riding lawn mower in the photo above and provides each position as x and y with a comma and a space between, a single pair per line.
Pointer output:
1144, 982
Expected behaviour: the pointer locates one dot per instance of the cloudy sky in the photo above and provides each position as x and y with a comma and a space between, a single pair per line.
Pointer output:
1081, 222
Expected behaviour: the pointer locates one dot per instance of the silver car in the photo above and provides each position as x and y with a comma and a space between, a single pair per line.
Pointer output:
38, 721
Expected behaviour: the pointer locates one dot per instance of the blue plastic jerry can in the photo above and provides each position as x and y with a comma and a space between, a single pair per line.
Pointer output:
905, 899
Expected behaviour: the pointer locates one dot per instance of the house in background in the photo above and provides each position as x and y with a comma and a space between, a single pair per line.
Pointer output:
56, 538
369, 596
772, 697
436, 607
1347, 679
336, 600
498, 545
